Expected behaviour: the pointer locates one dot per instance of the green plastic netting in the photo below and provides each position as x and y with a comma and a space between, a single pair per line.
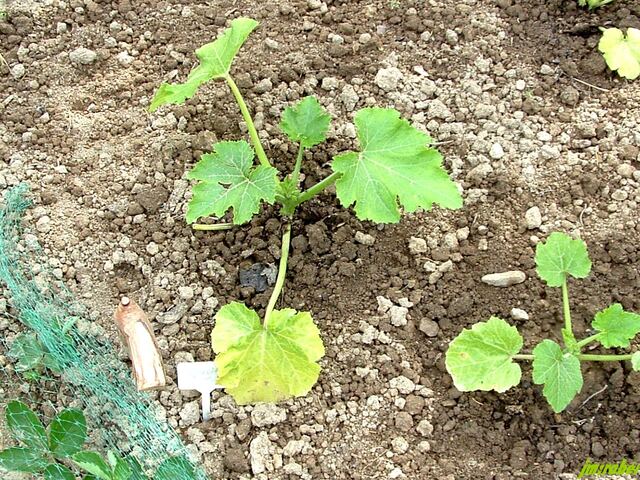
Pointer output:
125, 420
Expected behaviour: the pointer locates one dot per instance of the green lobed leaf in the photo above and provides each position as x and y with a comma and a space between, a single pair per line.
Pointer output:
28, 352
616, 326
621, 53
266, 365
93, 463
215, 61
229, 180
559, 372
593, 3
25, 426
19, 459
67, 433
306, 122
635, 361
174, 468
560, 256
121, 470
55, 471
482, 358
394, 166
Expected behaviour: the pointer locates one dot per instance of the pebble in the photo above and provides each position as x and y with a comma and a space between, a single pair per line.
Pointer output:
496, 151
505, 279
388, 78
437, 109
186, 293
404, 385
329, 83
399, 445
265, 414
425, 428
429, 327
83, 56
259, 453
417, 245
18, 71
451, 37
263, 86
544, 136
520, 85
533, 218
398, 316
519, 314
365, 238
43, 225
364, 38
546, 69
625, 170
190, 413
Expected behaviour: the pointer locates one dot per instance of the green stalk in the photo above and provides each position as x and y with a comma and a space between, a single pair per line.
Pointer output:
604, 358
296, 170
282, 273
318, 187
253, 133
523, 357
588, 340
215, 226
566, 308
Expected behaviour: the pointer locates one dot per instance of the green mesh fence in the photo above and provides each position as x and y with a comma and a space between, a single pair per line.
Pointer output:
125, 420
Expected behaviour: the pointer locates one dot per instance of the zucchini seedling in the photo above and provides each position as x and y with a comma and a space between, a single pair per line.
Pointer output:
275, 359
482, 358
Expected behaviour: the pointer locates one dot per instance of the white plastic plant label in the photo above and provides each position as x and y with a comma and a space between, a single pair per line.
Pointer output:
199, 376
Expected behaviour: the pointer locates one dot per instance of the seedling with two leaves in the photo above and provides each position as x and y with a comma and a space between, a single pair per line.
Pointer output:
32, 358
274, 359
55, 451
482, 358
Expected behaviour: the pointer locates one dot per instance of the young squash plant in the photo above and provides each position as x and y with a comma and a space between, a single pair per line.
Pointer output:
482, 358
276, 358
53, 451
621, 52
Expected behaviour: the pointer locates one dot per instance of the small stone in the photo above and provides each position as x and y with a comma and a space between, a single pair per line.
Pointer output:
259, 453
365, 238
364, 38
404, 385
329, 83
451, 37
496, 151
398, 316
186, 293
83, 56
124, 59
445, 267
417, 245
504, 279
619, 195
544, 136
271, 44
399, 445
152, 248
294, 469
43, 225
425, 428
61, 27
18, 71
190, 413
478, 173
384, 304
263, 86
548, 152
429, 327
403, 421
520, 85
546, 69
424, 446
462, 233
395, 473
437, 109
533, 218
519, 314
625, 170
265, 414
388, 78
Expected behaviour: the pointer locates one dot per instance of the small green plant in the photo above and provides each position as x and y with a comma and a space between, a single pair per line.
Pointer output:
275, 359
31, 356
621, 53
593, 3
482, 358
51, 452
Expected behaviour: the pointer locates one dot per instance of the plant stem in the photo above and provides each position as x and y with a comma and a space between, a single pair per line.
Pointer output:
523, 357
296, 170
318, 187
215, 226
604, 358
588, 340
253, 133
282, 273
566, 309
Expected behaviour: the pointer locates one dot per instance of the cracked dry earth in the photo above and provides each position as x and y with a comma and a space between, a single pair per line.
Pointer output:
539, 135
